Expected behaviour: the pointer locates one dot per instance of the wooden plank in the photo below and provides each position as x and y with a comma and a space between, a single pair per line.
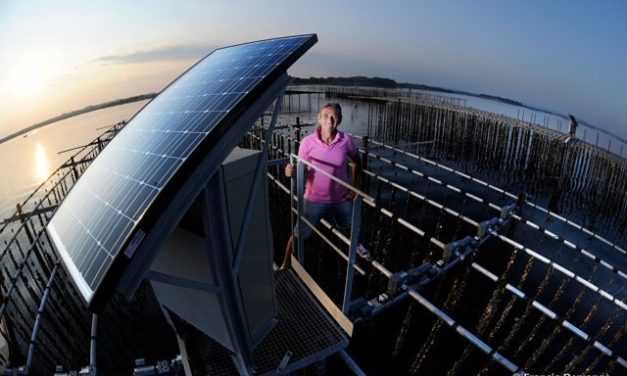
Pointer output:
322, 297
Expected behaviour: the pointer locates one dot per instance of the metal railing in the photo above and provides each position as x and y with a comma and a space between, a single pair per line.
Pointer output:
32, 273
353, 243
30, 270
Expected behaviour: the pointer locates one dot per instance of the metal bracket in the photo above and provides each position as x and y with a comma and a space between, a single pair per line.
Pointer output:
508, 210
485, 227
454, 248
421, 274
284, 362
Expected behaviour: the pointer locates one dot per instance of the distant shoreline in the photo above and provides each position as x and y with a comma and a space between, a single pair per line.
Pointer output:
388, 83
81, 111
391, 84
335, 81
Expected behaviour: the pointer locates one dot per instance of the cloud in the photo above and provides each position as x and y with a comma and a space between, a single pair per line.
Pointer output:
167, 53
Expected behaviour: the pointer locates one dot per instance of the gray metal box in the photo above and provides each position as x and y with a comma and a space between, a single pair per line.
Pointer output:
185, 255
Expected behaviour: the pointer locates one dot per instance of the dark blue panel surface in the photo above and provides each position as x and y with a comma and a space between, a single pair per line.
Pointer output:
96, 221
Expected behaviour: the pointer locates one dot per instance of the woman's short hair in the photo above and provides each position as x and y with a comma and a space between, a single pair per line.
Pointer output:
336, 107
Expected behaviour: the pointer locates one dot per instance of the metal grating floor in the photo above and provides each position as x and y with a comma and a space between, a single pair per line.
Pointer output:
303, 327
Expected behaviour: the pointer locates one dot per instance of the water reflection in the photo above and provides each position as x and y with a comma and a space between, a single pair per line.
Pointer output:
42, 170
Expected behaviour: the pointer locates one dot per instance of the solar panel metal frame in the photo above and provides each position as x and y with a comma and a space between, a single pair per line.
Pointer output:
160, 216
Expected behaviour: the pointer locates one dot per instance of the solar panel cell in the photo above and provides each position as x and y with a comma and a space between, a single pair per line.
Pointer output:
156, 150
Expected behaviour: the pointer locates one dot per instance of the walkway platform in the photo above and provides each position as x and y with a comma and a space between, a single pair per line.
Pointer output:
304, 328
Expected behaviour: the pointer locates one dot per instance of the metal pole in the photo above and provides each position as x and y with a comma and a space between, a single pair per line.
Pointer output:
351, 364
292, 209
350, 271
364, 157
300, 191
24, 221
38, 318
92, 345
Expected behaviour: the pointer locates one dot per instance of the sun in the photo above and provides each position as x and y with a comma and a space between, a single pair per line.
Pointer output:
26, 83
31, 84
29, 76
26, 79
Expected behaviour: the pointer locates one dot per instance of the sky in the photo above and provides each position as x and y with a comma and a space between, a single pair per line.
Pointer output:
566, 56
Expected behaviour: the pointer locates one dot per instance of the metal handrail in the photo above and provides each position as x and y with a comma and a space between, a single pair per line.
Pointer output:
366, 197
492, 206
530, 252
416, 296
56, 186
502, 191
355, 222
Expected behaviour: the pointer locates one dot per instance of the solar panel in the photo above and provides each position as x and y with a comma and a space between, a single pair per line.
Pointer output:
119, 199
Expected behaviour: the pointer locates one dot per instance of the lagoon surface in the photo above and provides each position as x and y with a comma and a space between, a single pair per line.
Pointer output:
28, 160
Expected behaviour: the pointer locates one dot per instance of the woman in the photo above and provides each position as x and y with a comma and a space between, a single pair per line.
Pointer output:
328, 149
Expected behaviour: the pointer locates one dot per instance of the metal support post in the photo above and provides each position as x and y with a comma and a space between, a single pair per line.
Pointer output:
300, 209
258, 179
219, 249
92, 344
364, 156
352, 252
292, 209
351, 364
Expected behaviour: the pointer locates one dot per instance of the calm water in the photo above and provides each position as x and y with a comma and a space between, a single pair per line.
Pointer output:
28, 160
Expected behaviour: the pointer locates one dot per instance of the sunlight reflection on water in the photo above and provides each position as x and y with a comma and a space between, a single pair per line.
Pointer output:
42, 167
27, 161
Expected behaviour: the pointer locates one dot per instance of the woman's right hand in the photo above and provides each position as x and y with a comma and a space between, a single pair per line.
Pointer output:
290, 169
